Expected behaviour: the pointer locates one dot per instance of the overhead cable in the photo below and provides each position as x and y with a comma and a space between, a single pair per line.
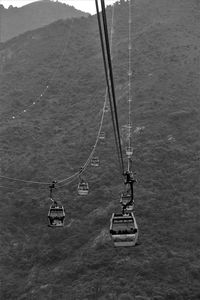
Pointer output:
25, 181
109, 79
112, 80
129, 79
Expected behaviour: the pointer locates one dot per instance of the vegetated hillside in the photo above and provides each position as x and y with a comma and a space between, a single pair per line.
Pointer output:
54, 137
15, 21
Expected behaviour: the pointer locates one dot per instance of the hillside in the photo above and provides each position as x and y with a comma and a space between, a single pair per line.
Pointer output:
52, 139
15, 21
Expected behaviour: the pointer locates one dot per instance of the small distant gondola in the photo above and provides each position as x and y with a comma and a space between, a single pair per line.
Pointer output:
129, 151
130, 73
102, 136
94, 162
83, 188
129, 126
124, 229
106, 109
56, 215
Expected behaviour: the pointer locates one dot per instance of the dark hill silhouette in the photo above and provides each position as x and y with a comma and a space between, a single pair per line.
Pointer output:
15, 21
53, 138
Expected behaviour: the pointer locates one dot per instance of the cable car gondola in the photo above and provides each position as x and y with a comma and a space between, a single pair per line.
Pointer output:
124, 229
102, 136
129, 126
129, 151
106, 109
95, 161
83, 188
56, 215
130, 73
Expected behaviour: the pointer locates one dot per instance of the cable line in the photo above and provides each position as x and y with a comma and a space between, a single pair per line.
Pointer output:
106, 74
109, 87
129, 84
111, 45
127, 197
69, 178
112, 80
25, 181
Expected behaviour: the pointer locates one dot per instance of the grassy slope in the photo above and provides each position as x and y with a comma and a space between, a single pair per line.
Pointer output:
45, 144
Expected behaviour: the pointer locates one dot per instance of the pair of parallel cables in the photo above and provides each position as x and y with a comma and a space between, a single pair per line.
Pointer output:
105, 46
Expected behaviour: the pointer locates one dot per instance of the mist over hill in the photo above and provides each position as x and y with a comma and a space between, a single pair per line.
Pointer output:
53, 138
15, 21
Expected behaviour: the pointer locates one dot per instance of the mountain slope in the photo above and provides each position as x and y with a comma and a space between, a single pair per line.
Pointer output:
53, 139
15, 21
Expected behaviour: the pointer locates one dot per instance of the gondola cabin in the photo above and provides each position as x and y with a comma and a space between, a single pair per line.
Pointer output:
83, 188
102, 136
124, 229
130, 73
56, 216
106, 109
129, 151
95, 162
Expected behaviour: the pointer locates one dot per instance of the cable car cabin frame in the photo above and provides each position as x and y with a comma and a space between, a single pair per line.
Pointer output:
102, 136
124, 229
128, 126
83, 189
56, 216
129, 151
95, 162
106, 109
125, 199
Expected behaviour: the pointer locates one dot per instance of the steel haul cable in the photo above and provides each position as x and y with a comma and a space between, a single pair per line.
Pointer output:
109, 80
112, 81
129, 79
25, 181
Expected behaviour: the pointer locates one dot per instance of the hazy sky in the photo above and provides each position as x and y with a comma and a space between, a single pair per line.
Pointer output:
84, 5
